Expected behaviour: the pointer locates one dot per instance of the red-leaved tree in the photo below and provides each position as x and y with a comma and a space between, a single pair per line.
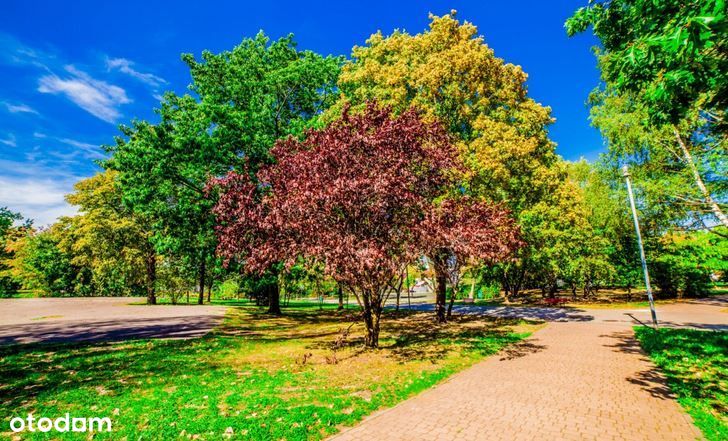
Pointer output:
461, 230
358, 197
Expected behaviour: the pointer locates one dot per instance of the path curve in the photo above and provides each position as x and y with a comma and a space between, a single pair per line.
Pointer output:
582, 377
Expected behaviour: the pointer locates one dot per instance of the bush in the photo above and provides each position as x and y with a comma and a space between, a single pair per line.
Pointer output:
229, 289
684, 262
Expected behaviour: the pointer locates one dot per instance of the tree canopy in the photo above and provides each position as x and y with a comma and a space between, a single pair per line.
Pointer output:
663, 64
241, 102
671, 52
357, 197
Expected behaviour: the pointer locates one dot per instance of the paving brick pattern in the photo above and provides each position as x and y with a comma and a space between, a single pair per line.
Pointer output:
576, 379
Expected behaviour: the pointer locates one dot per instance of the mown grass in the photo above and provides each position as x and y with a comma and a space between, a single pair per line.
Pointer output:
696, 366
256, 377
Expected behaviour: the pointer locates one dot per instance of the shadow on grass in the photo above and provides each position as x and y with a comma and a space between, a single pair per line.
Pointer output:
31, 370
414, 335
693, 368
694, 361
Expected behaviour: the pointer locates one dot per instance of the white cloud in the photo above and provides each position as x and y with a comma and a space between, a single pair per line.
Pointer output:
90, 150
125, 66
97, 97
9, 141
36, 192
39, 135
18, 54
79, 144
20, 108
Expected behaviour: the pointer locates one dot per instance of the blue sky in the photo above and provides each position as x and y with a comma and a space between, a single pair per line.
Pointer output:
70, 72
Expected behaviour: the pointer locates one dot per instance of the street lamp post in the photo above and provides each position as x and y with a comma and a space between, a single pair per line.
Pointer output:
625, 173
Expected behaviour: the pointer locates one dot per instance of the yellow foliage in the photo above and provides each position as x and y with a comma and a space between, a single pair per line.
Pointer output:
451, 75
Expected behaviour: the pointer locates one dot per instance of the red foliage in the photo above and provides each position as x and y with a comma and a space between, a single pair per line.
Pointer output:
358, 197
467, 228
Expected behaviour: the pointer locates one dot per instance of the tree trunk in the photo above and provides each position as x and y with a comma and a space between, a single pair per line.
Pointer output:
440, 294
341, 298
452, 301
371, 320
274, 299
699, 181
201, 299
210, 281
552, 290
506, 286
513, 287
151, 278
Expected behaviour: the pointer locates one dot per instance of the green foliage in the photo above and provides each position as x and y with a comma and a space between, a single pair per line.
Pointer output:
39, 263
105, 238
696, 366
173, 279
671, 52
664, 182
684, 262
663, 104
8, 284
229, 289
243, 101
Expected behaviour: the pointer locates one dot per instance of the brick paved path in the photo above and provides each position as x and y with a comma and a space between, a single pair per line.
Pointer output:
583, 377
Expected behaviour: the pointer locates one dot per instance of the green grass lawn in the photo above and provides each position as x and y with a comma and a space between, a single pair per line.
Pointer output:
696, 366
256, 377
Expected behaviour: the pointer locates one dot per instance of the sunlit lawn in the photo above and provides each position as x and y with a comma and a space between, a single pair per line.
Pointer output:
257, 377
696, 366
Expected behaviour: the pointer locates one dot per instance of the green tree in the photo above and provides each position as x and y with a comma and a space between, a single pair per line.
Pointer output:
671, 52
8, 284
667, 59
109, 240
684, 262
243, 101
666, 181
40, 263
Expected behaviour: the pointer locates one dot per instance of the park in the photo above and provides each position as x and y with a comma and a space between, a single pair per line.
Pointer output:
386, 244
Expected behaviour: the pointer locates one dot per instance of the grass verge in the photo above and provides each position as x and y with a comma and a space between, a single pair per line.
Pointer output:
696, 366
256, 377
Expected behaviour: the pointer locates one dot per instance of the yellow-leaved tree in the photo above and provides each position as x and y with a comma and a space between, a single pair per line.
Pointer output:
450, 74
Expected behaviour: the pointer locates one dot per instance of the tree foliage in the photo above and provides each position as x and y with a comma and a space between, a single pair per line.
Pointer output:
8, 233
40, 264
356, 197
109, 240
451, 75
671, 52
663, 64
243, 101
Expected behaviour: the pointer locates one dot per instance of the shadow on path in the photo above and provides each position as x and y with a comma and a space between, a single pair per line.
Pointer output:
108, 330
650, 380
516, 312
